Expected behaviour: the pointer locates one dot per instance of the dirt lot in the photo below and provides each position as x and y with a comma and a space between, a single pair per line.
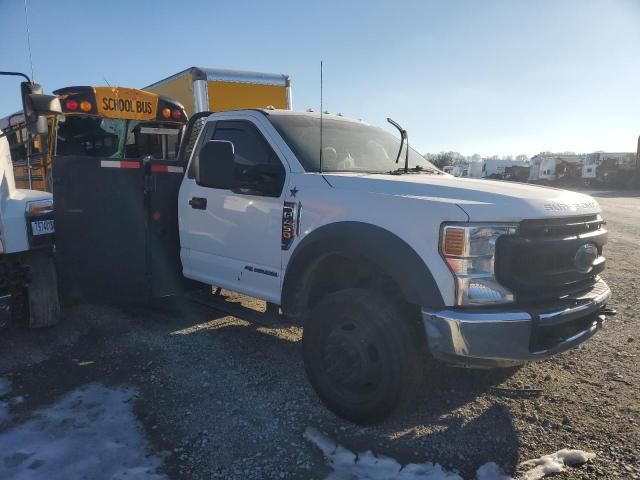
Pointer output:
220, 398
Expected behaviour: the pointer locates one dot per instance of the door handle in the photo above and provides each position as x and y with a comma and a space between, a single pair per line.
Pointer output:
198, 203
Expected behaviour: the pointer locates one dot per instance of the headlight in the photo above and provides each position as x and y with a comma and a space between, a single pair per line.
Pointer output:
469, 250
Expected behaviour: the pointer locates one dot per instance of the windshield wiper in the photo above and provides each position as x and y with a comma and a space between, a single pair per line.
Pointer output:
404, 136
416, 169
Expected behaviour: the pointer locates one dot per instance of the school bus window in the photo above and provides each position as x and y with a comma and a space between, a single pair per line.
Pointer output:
91, 136
152, 139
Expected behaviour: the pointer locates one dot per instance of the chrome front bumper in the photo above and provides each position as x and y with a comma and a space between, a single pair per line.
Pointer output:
503, 337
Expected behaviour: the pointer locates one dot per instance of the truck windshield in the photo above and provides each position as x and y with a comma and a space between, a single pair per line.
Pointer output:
347, 146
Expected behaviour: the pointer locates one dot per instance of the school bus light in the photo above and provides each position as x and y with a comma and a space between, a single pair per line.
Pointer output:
175, 114
71, 104
166, 113
85, 106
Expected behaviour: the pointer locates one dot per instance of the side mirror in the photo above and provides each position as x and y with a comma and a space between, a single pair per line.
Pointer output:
215, 165
36, 106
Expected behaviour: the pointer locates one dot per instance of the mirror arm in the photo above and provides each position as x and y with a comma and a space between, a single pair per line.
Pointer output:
17, 74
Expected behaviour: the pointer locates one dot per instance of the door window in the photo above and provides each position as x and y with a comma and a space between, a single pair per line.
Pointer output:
258, 168
250, 148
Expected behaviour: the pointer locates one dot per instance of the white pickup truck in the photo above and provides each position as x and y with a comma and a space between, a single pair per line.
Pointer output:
386, 261
382, 263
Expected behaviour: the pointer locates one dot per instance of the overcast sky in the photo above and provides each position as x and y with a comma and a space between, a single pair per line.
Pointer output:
492, 77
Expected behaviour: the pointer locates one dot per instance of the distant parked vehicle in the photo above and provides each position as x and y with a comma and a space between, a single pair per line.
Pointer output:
617, 170
496, 168
457, 170
475, 169
517, 173
553, 168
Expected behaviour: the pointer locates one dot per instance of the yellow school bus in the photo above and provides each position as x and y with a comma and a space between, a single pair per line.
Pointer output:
200, 89
117, 123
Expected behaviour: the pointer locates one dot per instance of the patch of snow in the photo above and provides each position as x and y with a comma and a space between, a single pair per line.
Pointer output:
90, 433
491, 471
555, 463
368, 466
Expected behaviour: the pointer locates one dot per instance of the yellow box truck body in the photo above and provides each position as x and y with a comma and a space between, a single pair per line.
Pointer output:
200, 89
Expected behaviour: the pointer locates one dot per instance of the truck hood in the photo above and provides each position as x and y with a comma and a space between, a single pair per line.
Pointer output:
481, 200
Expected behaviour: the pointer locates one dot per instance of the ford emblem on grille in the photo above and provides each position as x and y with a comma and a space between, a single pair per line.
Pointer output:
585, 256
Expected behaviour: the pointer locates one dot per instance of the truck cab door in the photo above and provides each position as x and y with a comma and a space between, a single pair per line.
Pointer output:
232, 238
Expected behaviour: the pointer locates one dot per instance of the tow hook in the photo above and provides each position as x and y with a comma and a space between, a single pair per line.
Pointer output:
603, 313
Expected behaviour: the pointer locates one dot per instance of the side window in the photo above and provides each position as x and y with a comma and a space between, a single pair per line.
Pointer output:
251, 149
258, 170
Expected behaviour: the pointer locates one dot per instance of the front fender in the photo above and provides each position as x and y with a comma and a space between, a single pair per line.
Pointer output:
388, 252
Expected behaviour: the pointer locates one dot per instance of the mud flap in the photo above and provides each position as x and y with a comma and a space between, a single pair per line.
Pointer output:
5, 310
42, 289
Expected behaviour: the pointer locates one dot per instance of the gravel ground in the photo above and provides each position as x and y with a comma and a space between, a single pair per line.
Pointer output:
222, 398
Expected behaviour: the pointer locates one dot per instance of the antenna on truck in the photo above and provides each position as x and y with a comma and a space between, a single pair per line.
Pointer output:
321, 116
26, 23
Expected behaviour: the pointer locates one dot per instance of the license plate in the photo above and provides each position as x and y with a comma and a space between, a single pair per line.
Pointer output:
42, 227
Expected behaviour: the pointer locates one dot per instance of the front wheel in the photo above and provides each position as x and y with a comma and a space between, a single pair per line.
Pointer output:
362, 354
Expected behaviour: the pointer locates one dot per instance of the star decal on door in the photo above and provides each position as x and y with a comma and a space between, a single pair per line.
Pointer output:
294, 191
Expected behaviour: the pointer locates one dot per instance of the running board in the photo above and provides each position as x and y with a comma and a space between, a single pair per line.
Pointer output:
271, 318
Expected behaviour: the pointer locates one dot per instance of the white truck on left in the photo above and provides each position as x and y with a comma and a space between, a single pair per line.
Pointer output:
28, 287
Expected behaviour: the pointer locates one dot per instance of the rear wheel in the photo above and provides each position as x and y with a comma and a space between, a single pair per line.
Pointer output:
362, 354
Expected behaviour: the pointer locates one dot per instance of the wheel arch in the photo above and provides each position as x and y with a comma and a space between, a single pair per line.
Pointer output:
344, 247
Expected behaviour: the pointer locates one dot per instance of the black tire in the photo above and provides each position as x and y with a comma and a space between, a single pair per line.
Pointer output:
363, 354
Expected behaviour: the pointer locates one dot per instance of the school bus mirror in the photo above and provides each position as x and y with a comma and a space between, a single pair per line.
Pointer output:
42, 125
45, 104
40, 107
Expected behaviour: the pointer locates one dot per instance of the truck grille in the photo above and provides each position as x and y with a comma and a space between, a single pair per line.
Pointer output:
539, 263
560, 227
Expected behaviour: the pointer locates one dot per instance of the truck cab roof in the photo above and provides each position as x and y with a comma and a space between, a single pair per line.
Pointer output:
292, 113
